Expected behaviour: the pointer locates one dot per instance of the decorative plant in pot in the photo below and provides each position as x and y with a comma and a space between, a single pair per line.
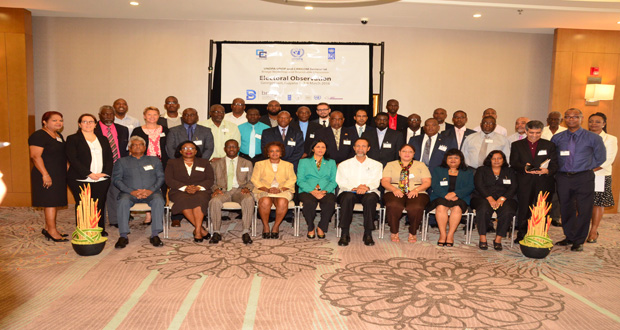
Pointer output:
536, 243
87, 239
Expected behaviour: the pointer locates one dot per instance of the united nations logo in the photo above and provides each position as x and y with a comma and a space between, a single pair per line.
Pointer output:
297, 52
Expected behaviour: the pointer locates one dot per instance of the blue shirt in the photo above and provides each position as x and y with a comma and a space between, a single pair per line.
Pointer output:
589, 150
304, 128
245, 130
187, 128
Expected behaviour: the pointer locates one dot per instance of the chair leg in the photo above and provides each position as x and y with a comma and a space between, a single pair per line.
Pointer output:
338, 229
381, 222
512, 235
296, 221
254, 220
425, 226
166, 220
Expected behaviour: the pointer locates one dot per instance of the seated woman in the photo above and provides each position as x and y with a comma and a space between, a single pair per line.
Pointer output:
496, 187
452, 185
274, 184
405, 182
316, 178
190, 179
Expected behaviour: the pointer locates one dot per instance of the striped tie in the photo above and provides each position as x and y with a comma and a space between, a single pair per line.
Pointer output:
113, 144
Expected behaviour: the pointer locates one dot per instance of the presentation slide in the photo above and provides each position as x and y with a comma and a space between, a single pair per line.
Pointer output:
296, 73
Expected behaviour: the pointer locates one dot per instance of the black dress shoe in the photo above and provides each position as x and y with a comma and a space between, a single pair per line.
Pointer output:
121, 243
483, 245
577, 247
246, 239
344, 240
368, 240
266, 235
207, 236
564, 242
216, 238
275, 235
156, 241
556, 223
176, 223
104, 233
497, 246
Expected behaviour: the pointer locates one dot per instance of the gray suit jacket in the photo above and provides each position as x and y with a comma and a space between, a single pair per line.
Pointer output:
131, 173
243, 177
202, 137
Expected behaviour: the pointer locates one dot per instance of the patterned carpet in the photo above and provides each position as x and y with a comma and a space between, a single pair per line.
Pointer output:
297, 283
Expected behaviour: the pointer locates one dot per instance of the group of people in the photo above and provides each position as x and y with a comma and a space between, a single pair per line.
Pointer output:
274, 161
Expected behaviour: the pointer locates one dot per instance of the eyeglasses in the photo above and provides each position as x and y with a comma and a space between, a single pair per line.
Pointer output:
322, 109
572, 117
87, 122
414, 120
217, 111
171, 103
188, 148
237, 104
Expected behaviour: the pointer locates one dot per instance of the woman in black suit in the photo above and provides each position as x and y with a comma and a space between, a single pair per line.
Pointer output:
496, 186
90, 162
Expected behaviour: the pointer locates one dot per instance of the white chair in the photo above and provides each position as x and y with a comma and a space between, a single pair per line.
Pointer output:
227, 206
291, 206
144, 207
494, 216
469, 215
299, 214
358, 207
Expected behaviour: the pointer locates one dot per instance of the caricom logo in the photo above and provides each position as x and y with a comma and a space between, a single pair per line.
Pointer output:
297, 52
261, 54
250, 94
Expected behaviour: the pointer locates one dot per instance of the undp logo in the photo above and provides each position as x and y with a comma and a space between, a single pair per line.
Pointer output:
297, 52
250, 94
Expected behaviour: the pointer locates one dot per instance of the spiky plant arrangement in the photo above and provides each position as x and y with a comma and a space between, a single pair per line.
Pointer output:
87, 230
538, 225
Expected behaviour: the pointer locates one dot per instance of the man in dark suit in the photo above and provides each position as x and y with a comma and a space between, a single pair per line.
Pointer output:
441, 114
361, 117
414, 122
118, 136
293, 138
532, 151
384, 142
395, 121
308, 128
271, 118
190, 130
343, 149
431, 146
323, 111
458, 131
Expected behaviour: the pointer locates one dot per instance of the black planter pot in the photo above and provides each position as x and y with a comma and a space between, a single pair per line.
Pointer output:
533, 252
88, 249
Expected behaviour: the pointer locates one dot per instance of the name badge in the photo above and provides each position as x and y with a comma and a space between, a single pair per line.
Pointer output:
198, 143
200, 169
488, 140
387, 145
162, 134
58, 139
346, 142
443, 183
411, 176
311, 136
542, 152
443, 147
148, 167
258, 136
507, 181
244, 169
224, 130
565, 153
291, 143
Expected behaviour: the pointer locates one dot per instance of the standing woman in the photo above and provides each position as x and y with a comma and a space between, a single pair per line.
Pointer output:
48, 177
597, 123
90, 162
155, 137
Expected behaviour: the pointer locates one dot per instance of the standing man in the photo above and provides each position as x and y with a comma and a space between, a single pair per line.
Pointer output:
459, 132
519, 129
190, 131
440, 114
232, 184
579, 152
361, 117
308, 128
477, 146
498, 128
139, 179
237, 116
171, 118
120, 111
414, 122
222, 130
323, 110
290, 136
251, 135
118, 136
339, 140
554, 119
431, 146
395, 121
358, 179
384, 142
526, 156
271, 118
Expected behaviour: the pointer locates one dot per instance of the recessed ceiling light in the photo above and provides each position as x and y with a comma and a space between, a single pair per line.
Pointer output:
308, 7
134, 3
477, 15
618, 22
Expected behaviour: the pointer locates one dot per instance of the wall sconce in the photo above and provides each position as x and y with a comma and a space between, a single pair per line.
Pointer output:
595, 91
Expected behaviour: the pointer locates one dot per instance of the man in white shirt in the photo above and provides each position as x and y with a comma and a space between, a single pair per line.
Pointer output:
498, 128
171, 117
361, 117
554, 119
414, 122
237, 116
519, 129
477, 146
222, 130
459, 132
440, 114
121, 117
358, 179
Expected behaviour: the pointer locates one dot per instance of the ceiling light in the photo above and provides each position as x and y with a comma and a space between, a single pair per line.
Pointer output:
477, 15
134, 3
308, 8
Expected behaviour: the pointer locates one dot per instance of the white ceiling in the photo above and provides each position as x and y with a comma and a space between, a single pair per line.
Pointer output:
537, 16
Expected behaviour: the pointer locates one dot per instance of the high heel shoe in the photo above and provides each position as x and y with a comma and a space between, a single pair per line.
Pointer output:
319, 235
275, 235
198, 240
266, 235
593, 240
441, 243
311, 236
50, 237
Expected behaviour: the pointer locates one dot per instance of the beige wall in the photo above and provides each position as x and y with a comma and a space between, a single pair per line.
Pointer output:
81, 64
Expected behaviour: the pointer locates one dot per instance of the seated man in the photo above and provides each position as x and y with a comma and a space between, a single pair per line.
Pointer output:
358, 179
139, 179
233, 183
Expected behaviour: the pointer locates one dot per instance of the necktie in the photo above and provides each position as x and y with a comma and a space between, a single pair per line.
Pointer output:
483, 150
231, 174
427, 152
252, 143
190, 133
113, 144
571, 152
337, 137
324, 123
360, 132
521, 137
283, 134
